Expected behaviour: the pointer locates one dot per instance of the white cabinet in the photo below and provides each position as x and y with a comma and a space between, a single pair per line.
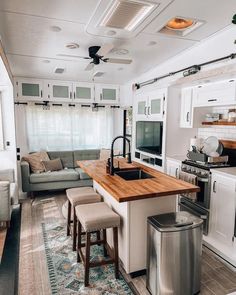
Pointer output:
107, 93
83, 92
150, 106
186, 113
59, 91
173, 167
222, 209
213, 94
29, 89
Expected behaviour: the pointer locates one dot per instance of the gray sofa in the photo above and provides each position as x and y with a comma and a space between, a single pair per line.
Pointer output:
70, 176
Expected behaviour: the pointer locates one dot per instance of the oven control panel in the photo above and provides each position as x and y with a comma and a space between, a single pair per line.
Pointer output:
195, 170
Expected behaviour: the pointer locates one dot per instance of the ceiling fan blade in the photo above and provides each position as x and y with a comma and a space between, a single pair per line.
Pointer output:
105, 49
118, 61
89, 67
73, 56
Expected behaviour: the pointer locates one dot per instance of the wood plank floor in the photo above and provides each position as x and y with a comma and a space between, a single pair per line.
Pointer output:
217, 278
3, 232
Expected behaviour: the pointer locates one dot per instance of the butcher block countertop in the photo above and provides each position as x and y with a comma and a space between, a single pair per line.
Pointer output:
131, 190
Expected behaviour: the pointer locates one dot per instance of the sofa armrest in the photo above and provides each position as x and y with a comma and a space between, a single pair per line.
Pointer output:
25, 176
5, 201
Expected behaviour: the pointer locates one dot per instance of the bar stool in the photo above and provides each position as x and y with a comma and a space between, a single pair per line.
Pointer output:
78, 196
97, 217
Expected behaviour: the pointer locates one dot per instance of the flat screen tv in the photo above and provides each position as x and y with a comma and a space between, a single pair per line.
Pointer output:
149, 136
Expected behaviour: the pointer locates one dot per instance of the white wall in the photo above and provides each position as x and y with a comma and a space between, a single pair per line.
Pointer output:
7, 156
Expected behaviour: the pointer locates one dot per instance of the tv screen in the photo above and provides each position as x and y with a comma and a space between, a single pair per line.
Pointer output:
149, 136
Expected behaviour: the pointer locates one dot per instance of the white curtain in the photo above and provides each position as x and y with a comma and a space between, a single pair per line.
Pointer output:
68, 128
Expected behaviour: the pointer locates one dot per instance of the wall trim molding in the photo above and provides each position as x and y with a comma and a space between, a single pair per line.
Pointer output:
5, 61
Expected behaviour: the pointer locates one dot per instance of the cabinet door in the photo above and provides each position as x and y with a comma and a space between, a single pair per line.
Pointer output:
173, 168
83, 92
59, 91
29, 89
108, 94
141, 101
223, 201
155, 105
186, 112
218, 93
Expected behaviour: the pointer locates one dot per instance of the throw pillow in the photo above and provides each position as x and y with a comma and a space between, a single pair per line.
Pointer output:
53, 165
35, 161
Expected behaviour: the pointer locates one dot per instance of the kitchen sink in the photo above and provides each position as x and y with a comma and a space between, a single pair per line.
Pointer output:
133, 174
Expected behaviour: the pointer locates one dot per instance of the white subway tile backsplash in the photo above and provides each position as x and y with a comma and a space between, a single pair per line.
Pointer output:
221, 132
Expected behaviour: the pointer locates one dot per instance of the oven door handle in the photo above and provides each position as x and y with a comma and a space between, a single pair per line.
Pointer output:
203, 179
204, 217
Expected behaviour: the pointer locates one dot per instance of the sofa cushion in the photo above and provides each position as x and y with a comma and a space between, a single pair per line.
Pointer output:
35, 161
65, 156
7, 175
53, 165
82, 174
62, 175
85, 155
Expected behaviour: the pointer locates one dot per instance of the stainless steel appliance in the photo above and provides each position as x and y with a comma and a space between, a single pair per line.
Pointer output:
174, 246
200, 207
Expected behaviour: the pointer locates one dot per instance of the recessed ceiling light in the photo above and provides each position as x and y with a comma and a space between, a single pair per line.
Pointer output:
111, 33
55, 28
177, 23
46, 61
59, 70
120, 51
72, 45
152, 43
126, 14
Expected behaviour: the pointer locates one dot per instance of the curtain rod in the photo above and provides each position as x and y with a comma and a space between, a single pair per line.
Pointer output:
191, 70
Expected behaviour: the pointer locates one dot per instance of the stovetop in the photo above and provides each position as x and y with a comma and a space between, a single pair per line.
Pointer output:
205, 165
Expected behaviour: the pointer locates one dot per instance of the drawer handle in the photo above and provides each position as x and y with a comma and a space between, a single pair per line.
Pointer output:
176, 172
187, 117
214, 187
209, 100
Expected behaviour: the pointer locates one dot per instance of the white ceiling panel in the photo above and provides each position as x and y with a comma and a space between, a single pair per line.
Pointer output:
70, 10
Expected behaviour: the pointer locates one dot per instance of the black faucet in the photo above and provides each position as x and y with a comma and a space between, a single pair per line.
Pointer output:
112, 169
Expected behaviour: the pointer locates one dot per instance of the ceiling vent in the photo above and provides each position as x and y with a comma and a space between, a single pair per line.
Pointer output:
98, 74
180, 26
59, 70
126, 14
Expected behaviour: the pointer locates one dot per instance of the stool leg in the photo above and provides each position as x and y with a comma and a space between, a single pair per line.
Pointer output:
74, 228
79, 241
68, 218
87, 259
98, 236
104, 233
116, 255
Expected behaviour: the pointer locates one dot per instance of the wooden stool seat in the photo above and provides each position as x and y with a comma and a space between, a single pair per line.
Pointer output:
96, 217
78, 196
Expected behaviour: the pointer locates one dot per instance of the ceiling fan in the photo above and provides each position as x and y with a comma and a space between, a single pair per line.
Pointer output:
98, 53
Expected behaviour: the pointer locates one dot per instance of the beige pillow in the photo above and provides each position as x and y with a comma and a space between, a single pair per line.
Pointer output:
35, 161
53, 165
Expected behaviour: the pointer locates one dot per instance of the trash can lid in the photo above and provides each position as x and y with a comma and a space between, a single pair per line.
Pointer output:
175, 221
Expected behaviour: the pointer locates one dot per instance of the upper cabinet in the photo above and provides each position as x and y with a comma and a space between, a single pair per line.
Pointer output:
83, 92
150, 106
59, 91
107, 93
29, 89
66, 91
186, 115
215, 94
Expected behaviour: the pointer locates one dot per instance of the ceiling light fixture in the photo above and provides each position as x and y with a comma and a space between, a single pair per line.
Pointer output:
177, 23
72, 46
120, 51
55, 29
126, 14
111, 33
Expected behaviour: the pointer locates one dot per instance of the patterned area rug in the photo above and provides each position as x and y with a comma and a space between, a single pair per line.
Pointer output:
66, 275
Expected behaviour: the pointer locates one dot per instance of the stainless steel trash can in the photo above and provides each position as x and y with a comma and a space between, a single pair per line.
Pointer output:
174, 247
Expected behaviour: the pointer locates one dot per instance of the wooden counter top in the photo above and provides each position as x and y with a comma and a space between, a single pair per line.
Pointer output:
131, 190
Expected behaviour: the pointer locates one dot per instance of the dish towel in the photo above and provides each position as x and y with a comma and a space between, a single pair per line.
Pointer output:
190, 178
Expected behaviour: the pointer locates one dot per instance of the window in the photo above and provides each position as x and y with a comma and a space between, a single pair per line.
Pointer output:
68, 128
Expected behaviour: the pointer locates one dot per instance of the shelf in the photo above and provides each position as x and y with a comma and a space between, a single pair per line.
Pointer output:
219, 123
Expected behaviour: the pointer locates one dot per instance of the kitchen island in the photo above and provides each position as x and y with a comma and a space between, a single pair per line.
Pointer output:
134, 201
